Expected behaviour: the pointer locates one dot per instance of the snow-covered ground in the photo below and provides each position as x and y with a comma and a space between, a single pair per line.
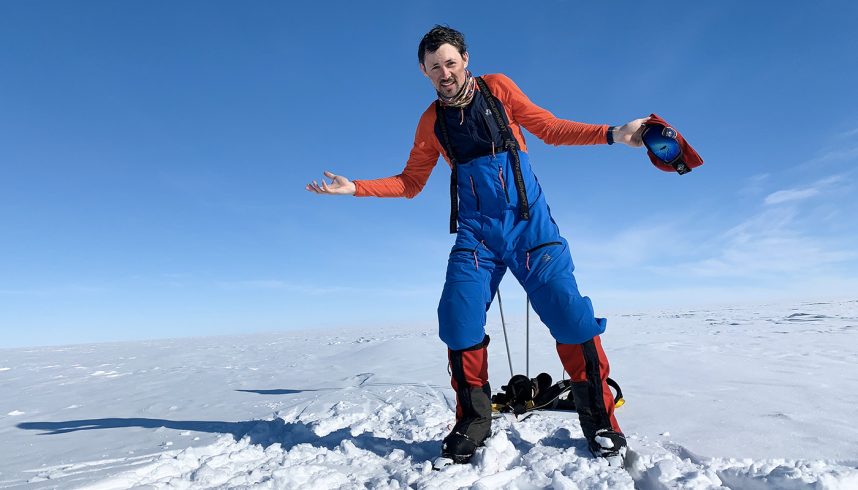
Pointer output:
745, 397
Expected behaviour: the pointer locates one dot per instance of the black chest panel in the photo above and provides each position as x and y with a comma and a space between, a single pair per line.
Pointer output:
472, 129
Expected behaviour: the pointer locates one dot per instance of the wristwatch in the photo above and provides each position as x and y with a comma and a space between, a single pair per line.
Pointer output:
611, 134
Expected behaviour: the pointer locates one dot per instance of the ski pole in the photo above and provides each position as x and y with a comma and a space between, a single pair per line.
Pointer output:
527, 339
505, 338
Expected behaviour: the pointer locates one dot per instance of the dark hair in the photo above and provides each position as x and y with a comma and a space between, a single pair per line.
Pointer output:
441, 35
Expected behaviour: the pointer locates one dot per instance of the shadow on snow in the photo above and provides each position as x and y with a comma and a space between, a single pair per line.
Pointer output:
274, 392
262, 432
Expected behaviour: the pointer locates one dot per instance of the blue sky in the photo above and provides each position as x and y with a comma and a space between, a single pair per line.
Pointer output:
153, 157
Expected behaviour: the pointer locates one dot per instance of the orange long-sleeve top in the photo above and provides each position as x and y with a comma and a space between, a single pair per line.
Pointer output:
519, 110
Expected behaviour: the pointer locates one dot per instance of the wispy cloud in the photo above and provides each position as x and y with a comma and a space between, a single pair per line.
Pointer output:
780, 240
774, 239
790, 195
836, 155
794, 234
800, 193
635, 246
769, 255
841, 148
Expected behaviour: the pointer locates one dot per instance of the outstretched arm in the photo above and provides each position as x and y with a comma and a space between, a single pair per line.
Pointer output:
555, 131
421, 161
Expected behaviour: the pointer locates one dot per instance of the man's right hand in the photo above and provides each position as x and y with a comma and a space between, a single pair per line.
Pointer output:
338, 185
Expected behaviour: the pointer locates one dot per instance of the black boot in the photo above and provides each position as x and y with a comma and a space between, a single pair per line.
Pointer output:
469, 369
588, 369
609, 444
603, 440
470, 431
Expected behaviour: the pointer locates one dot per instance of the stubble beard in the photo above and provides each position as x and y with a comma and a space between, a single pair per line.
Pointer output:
452, 89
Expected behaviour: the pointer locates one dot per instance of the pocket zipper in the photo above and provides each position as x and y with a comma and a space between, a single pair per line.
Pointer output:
471, 251
527, 254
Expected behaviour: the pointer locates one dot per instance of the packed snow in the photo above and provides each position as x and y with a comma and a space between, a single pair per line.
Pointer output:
744, 397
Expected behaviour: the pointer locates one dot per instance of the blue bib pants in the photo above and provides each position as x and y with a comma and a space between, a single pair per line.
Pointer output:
492, 238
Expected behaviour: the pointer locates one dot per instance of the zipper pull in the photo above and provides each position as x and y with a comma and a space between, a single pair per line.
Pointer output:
476, 258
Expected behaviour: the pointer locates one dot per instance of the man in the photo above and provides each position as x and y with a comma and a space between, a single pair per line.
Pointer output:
502, 221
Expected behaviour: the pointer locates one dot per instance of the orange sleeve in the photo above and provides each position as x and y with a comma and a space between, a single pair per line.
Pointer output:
542, 123
422, 159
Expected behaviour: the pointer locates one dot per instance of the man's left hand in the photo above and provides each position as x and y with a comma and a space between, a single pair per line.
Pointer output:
631, 132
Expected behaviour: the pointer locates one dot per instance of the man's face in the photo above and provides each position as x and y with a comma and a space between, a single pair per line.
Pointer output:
446, 68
